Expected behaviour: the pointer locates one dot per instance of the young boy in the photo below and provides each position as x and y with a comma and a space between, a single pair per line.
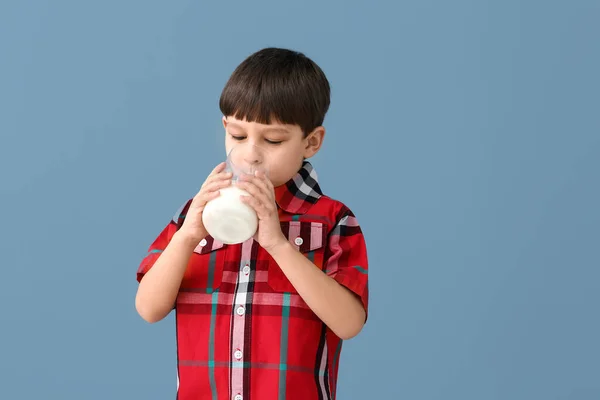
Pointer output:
264, 319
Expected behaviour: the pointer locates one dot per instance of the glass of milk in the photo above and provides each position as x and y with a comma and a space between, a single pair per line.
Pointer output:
226, 218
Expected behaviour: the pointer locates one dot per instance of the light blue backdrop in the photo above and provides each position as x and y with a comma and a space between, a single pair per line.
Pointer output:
470, 137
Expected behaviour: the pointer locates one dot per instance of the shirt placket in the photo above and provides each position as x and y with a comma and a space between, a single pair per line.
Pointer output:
238, 325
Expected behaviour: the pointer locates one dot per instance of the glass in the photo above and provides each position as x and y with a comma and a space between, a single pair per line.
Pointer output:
246, 159
226, 218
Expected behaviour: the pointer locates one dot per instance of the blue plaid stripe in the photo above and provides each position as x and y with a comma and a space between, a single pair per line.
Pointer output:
251, 365
211, 347
284, 345
360, 269
211, 272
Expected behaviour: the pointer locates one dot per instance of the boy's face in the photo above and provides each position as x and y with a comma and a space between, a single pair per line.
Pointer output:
285, 146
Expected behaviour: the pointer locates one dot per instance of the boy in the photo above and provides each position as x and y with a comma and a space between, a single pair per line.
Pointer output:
263, 319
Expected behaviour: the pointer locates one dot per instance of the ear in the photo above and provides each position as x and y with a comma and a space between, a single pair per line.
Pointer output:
224, 122
313, 142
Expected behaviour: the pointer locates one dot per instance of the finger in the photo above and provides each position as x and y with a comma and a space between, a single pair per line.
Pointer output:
220, 177
204, 199
197, 207
255, 191
261, 179
210, 196
263, 207
263, 176
201, 197
268, 182
219, 168
256, 205
262, 183
216, 185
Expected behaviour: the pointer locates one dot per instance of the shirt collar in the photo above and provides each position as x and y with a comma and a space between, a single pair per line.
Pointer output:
299, 193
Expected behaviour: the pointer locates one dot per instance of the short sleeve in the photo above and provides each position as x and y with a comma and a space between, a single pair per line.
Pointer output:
347, 262
161, 241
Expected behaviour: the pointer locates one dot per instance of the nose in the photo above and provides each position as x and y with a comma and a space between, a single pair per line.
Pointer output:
253, 156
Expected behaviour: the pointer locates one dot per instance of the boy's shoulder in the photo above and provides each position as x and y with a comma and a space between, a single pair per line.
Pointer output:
335, 204
331, 211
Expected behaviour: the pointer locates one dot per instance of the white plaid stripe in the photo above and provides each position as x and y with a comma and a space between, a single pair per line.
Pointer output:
316, 235
348, 220
323, 366
334, 243
204, 298
294, 232
231, 277
215, 246
176, 216
238, 323
258, 299
307, 186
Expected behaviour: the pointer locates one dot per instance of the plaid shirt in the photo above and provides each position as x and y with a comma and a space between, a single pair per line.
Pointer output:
243, 331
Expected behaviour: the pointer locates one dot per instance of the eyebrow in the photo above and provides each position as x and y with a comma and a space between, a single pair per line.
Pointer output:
276, 130
266, 130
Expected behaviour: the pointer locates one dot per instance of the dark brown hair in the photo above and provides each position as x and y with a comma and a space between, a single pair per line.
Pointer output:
277, 85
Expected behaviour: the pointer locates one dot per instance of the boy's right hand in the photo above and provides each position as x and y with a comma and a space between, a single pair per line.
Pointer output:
192, 227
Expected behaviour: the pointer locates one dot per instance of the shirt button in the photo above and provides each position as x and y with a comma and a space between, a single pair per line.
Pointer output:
241, 310
238, 397
298, 241
203, 242
246, 270
238, 354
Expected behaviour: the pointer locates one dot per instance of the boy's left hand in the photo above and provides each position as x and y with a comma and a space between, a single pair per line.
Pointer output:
262, 200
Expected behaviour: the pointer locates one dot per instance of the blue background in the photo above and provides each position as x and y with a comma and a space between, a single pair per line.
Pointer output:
470, 132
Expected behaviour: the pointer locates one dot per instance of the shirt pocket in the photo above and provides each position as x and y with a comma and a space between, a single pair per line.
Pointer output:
309, 238
204, 273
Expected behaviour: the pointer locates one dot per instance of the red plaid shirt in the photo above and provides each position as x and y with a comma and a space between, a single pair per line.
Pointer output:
243, 331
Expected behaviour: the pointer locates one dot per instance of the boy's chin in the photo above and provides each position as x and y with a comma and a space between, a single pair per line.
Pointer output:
277, 183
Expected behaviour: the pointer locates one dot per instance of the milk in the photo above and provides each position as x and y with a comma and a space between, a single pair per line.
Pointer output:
229, 220
226, 218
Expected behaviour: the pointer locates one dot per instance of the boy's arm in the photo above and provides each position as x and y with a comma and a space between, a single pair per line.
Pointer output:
159, 287
338, 294
160, 277
339, 308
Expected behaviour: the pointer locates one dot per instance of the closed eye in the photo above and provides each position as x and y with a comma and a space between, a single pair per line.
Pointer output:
240, 138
